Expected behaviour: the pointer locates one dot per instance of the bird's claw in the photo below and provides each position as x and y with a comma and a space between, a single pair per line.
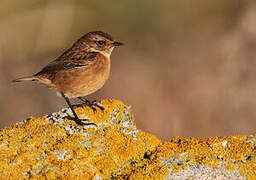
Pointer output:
81, 123
92, 104
97, 105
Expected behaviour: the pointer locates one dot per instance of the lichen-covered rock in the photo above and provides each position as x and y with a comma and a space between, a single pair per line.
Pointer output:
54, 147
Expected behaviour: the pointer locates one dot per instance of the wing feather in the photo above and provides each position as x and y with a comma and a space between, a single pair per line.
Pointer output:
70, 62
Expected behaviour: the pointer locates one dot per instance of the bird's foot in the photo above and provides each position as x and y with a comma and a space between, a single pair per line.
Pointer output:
80, 121
76, 118
92, 104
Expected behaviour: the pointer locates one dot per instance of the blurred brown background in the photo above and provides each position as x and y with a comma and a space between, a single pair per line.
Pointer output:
188, 68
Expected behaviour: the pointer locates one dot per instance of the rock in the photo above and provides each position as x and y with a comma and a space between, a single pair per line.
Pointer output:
54, 147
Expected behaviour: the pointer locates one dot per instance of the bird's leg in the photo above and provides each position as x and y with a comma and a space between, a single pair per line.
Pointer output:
76, 119
91, 104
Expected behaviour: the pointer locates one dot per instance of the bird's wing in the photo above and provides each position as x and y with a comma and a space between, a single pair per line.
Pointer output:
69, 63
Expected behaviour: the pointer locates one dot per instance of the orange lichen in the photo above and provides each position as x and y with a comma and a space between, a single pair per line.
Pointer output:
236, 151
54, 147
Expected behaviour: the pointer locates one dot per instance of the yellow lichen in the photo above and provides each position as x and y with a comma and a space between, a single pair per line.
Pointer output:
234, 150
40, 149
46, 148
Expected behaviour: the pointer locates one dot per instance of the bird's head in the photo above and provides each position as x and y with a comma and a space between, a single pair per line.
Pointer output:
99, 41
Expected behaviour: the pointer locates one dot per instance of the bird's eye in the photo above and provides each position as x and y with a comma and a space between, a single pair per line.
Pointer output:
100, 42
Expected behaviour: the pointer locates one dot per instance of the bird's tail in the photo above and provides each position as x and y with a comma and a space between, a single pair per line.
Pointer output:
27, 78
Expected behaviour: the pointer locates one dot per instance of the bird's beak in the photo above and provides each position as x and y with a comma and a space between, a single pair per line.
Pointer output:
117, 43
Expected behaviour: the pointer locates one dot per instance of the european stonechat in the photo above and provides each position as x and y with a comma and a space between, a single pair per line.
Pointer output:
80, 70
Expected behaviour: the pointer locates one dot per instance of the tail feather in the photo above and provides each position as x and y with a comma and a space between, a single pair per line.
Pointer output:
27, 78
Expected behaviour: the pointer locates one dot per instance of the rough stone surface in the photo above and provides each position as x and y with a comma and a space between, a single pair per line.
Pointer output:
54, 147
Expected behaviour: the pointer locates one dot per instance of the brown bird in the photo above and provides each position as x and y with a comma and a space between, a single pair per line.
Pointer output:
80, 70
